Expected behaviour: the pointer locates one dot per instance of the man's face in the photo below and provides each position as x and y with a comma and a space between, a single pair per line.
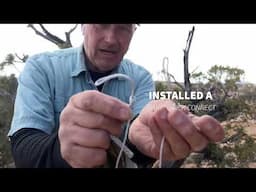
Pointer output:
106, 44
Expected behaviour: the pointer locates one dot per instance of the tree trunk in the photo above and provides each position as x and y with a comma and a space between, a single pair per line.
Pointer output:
187, 83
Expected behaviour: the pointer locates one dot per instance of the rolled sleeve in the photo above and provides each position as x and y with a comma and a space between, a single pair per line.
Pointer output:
33, 103
145, 84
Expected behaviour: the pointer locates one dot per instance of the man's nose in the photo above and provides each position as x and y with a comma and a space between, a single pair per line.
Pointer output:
110, 35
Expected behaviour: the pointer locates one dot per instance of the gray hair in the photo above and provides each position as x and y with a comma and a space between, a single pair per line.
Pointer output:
134, 26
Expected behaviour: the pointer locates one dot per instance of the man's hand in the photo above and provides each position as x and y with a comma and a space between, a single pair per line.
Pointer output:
183, 131
85, 127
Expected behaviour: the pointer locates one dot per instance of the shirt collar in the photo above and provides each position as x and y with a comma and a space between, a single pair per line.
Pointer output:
79, 66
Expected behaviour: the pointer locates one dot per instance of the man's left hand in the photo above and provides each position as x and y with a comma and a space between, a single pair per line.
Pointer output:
184, 133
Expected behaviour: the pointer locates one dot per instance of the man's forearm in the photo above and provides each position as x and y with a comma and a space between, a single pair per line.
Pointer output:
33, 148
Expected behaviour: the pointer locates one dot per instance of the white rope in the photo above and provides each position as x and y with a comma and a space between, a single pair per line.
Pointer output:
123, 148
161, 152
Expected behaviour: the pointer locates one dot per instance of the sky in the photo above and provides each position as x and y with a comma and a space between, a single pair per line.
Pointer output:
222, 44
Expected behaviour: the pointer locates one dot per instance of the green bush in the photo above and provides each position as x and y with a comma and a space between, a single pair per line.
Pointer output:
234, 107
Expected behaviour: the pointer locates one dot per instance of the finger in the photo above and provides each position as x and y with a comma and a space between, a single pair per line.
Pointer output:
144, 142
149, 110
156, 132
210, 127
167, 153
187, 129
184, 108
179, 146
157, 136
86, 137
192, 116
101, 103
96, 120
84, 157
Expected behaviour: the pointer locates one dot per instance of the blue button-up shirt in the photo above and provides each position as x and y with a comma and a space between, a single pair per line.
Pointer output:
50, 79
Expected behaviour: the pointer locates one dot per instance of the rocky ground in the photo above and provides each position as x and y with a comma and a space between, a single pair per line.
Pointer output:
237, 150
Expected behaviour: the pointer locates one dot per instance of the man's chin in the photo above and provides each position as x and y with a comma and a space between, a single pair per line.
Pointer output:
106, 68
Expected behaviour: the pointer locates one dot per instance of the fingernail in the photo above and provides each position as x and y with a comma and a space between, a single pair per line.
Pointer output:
124, 113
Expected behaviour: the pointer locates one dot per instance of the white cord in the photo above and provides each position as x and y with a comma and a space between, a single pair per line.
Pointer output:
161, 152
131, 101
177, 106
117, 75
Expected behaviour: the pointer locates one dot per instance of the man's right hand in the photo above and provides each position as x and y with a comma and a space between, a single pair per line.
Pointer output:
85, 127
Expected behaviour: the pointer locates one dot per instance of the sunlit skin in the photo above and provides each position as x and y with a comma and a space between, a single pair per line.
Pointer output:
91, 116
183, 132
106, 44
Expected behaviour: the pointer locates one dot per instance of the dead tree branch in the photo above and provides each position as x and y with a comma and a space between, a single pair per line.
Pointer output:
21, 59
186, 55
168, 76
53, 38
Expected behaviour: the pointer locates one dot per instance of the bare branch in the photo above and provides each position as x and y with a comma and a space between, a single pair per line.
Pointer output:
67, 34
175, 81
194, 70
51, 36
185, 59
189, 39
169, 76
22, 59
41, 34
72, 29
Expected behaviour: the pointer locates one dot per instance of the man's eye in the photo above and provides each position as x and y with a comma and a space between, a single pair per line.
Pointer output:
125, 27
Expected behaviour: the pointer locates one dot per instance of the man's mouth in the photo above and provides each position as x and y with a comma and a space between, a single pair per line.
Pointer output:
108, 51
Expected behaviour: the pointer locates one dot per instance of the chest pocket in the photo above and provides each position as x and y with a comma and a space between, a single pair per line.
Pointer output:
59, 104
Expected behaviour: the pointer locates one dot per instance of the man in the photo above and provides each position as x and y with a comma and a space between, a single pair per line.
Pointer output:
62, 119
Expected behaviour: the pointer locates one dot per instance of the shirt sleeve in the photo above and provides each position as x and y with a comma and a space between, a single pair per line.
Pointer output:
144, 85
33, 103
32, 148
